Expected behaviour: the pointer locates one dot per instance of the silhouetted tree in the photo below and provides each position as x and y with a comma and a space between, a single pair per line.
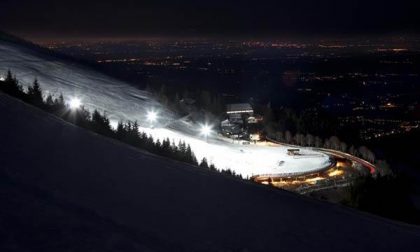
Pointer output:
35, 94
279, 136
190, 155
318, 142
120, 132
204, 164
100, 123
82, 117
310, 140
49, 101
288, 137
12, 87
343, 147
212, 167
334, 143
9, 76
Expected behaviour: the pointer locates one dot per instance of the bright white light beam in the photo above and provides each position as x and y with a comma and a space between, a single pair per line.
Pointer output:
75, 103
152, 116
206, 130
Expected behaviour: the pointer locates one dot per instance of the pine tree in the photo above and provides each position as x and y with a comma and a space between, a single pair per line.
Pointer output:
190, 157
158, 145
81, 117
59, 106
61, 100
212, 167
181, 146
12, 87
120, 132
35, 93
135, 130
9, 77
204, 163
49, 101
100, 124
174, 148
166, 147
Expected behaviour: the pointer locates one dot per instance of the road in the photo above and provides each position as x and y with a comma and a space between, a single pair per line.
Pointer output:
364, 163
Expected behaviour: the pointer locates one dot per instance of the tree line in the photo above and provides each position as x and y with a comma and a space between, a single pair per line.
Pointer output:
127, 132
184, 101
313, 129
333, 142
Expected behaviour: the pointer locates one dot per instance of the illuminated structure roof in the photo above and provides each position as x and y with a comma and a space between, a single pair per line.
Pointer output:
239, 108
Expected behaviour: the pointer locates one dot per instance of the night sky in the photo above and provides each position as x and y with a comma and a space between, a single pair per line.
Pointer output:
212, 17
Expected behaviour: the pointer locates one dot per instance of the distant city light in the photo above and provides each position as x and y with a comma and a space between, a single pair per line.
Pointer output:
152, 116
75, 103
2, 78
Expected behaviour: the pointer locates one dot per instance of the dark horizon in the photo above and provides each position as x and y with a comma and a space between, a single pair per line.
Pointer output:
187, 18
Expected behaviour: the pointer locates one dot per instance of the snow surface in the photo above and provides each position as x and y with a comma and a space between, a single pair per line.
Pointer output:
121, 101
117, 194
247, 160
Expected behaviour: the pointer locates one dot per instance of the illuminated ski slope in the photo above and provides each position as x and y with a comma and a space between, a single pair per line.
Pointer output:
96, 91
247, 160
121, 101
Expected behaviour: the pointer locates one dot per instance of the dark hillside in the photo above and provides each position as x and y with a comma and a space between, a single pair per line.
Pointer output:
90, 189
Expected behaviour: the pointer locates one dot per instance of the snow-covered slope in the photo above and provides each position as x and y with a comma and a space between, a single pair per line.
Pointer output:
159, 201
124, 102
96, 90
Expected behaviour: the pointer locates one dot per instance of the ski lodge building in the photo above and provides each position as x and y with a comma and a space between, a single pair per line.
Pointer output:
239, 111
